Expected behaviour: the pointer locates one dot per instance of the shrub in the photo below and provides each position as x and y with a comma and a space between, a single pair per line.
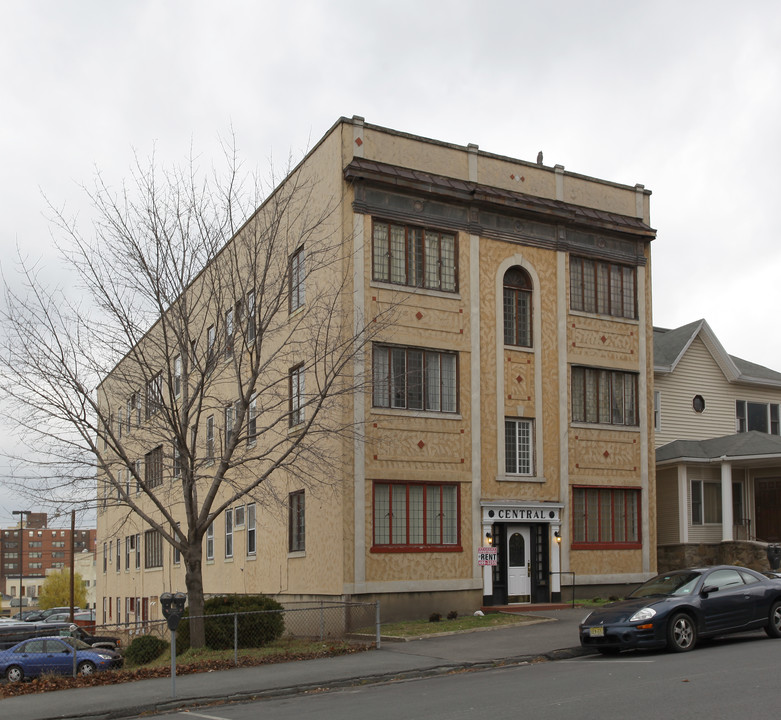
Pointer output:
435, 617
144, 649
452, 615
258, 624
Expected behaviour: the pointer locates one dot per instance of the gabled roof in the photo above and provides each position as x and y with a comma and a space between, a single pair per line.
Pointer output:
751, 446
671, 345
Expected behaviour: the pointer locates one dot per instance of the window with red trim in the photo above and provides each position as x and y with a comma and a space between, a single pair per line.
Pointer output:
606, 516
416, 516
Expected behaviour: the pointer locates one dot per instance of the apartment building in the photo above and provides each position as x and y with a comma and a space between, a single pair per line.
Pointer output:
504, 417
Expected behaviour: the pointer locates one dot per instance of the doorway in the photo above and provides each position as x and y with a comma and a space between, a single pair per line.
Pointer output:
519, 560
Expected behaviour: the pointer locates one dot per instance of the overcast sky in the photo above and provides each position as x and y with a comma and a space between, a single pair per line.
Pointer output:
683, 97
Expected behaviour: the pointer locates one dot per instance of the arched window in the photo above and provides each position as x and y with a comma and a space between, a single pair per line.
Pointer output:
517, 550
517, 308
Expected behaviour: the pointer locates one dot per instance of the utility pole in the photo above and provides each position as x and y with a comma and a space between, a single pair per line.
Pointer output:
21, 514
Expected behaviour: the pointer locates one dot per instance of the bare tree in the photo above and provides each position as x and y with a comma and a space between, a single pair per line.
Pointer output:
200, 301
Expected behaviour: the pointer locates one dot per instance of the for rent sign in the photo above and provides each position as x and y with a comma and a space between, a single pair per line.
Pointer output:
486, 556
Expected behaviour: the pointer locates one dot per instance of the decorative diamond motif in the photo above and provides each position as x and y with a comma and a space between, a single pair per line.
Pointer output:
603, 339
419, 315
358, 142
519, 379
421, 444
606, 454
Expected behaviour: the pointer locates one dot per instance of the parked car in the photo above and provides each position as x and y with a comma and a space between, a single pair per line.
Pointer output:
57, 618
10, 634
674, 609
38, 656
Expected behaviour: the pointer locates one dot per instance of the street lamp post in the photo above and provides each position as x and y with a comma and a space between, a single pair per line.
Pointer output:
21, 514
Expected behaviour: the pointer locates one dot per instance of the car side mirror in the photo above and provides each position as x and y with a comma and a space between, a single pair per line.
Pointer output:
708, 589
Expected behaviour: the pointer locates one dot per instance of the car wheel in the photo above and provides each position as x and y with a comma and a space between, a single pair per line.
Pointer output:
681, 633
14, 674
773, 627
86, 668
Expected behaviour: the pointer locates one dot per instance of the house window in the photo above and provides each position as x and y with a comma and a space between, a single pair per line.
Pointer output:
130, 543
604, 396
210, 438
119, 485
238, 516
154, 395
413, 256
296, 382
153, 549
602, 287
606, 516
518, 447
296, 522
210, 542
763, 417
252, 541
177, 461
105, 557
252, 421
415, 379
657, 410
706, 502
229, 533
138, 476
517, 308
153, 467
297, 273
408, 515
118, 562
138, 550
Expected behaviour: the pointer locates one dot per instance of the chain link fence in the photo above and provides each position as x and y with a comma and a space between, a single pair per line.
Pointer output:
237, 634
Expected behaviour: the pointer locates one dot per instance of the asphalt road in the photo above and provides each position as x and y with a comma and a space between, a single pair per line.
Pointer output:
732, 678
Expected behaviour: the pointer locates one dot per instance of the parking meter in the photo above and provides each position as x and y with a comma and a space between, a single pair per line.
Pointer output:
172, 605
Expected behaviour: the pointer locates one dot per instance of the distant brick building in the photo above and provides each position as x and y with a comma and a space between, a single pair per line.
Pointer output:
38, 548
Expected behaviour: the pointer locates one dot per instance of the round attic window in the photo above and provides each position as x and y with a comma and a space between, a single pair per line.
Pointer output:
698, 403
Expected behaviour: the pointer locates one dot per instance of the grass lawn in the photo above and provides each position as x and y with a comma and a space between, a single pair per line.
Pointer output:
416, 628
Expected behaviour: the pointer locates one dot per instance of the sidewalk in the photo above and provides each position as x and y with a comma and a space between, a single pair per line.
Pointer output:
555, 636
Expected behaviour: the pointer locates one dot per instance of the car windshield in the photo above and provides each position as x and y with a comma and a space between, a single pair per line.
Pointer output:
76, 643
680, 583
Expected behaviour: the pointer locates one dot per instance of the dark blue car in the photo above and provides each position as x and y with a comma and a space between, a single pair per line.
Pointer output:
45, 655
674, 609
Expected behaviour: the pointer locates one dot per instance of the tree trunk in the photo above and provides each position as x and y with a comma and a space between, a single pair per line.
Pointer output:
194, 581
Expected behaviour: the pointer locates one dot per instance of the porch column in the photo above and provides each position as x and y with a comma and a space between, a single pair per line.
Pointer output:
726, 501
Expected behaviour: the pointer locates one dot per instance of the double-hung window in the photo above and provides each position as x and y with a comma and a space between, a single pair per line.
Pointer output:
604, 396
414, 256
517, 308
210, 438
153, 549
415, 379
518, 446
229, 533
229, 332
296, 390
177, 377
297, 274
252, 538
154, 395
706, 502
602, 287
296, 522
416, 515
252, 421
606, 516
153, 468
210, 542
760, 416
251, 320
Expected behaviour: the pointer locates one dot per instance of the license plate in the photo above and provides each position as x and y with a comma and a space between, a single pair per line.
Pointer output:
596, 632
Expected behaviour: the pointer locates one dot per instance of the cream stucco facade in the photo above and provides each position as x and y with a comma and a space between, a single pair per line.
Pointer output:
468, 432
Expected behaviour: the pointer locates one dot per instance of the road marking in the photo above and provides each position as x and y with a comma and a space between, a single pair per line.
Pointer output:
189, 713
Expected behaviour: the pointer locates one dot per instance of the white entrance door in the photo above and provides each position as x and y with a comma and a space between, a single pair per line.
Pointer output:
518, 564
